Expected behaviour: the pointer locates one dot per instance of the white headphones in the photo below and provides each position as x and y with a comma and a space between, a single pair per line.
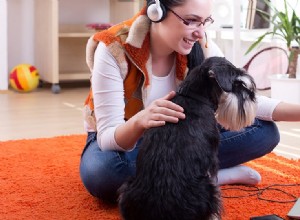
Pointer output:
156, 11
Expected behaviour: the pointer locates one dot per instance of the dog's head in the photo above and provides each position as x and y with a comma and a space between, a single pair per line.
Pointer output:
237, 104
229, 88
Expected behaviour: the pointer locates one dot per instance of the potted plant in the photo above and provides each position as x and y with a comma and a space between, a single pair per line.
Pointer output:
285, 26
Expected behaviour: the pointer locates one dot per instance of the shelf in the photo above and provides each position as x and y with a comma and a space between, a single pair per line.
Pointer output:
62, 33
244, 34
75, 35
64, 76
241, 30
74, 31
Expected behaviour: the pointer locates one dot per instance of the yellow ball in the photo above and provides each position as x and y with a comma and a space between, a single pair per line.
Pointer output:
24, 78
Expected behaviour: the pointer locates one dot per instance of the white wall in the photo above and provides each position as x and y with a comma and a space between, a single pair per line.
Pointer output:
3, 45
20, 32
83, 12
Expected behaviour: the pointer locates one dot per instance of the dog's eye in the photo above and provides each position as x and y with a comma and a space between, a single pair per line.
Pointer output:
244, 84
244, 81
239, 83
241, 86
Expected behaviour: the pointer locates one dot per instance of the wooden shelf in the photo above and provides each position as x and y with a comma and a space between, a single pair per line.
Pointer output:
61, 43
75, 30
74, 35
65, 76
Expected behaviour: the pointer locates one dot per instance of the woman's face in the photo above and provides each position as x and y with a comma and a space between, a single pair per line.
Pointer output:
175, 34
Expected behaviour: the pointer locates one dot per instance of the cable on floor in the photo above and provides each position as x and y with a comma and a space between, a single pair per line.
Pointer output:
256, 191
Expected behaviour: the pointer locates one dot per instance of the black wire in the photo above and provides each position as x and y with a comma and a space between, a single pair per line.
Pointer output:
271, 187
256, 190
259, 192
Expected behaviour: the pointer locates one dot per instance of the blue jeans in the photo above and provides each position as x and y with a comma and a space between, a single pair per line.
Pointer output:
103, 172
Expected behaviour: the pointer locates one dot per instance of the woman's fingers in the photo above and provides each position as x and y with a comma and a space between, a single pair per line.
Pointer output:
165, 102
163, 110
169, 113
160, 111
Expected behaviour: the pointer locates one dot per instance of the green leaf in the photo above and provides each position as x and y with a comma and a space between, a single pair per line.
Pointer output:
257, 42
285, 27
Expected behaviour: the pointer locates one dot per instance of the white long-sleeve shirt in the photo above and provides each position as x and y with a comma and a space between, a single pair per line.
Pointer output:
108, 93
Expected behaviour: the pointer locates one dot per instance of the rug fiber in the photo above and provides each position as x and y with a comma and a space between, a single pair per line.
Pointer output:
39, 179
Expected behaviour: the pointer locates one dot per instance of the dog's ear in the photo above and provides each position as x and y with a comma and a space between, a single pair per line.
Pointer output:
225, 83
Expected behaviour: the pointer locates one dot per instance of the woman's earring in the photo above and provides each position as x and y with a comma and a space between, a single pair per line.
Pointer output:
206, 42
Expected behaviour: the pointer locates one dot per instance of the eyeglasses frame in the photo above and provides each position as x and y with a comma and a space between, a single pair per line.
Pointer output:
187, 23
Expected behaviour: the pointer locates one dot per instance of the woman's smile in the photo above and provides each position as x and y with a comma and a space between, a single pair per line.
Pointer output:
190, 42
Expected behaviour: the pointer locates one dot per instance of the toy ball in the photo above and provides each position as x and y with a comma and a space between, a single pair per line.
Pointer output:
24, 78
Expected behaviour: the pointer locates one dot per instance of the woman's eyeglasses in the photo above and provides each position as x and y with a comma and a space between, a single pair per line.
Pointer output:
192, 22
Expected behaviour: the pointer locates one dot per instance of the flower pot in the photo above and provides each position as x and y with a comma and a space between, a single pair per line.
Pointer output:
285, 88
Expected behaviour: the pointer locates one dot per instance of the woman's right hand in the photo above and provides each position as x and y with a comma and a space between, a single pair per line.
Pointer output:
159, 112
156, 114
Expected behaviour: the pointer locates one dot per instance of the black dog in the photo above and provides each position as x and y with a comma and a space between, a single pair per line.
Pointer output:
177, 164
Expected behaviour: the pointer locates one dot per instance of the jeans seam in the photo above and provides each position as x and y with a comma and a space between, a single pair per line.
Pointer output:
119, 156
238, 135
125, 161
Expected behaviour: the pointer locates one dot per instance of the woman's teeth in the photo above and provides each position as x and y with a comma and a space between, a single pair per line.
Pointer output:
188, 41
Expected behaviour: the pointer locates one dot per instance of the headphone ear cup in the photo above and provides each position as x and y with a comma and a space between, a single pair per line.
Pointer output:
155, 13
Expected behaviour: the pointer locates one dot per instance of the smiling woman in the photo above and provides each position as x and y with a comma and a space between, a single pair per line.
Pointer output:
149, 56
179, 36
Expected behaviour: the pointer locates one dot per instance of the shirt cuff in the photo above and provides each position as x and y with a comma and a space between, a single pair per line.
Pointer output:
106, 140
265, 107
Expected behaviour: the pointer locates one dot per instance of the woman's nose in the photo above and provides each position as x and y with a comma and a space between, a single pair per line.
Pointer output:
199, 32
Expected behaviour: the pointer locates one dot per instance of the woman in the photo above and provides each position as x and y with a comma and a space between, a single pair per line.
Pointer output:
136, 68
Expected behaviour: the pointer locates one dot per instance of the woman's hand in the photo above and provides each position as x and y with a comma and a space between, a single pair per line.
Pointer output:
156, 114
159, 112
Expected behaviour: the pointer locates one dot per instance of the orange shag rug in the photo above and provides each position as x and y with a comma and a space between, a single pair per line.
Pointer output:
39, 179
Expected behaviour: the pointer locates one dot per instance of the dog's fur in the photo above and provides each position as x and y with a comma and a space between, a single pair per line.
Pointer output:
177, 164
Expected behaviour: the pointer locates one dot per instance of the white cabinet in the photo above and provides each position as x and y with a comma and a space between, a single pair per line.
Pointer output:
61, 34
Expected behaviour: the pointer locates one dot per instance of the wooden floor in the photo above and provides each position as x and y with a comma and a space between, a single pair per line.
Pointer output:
44, 114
